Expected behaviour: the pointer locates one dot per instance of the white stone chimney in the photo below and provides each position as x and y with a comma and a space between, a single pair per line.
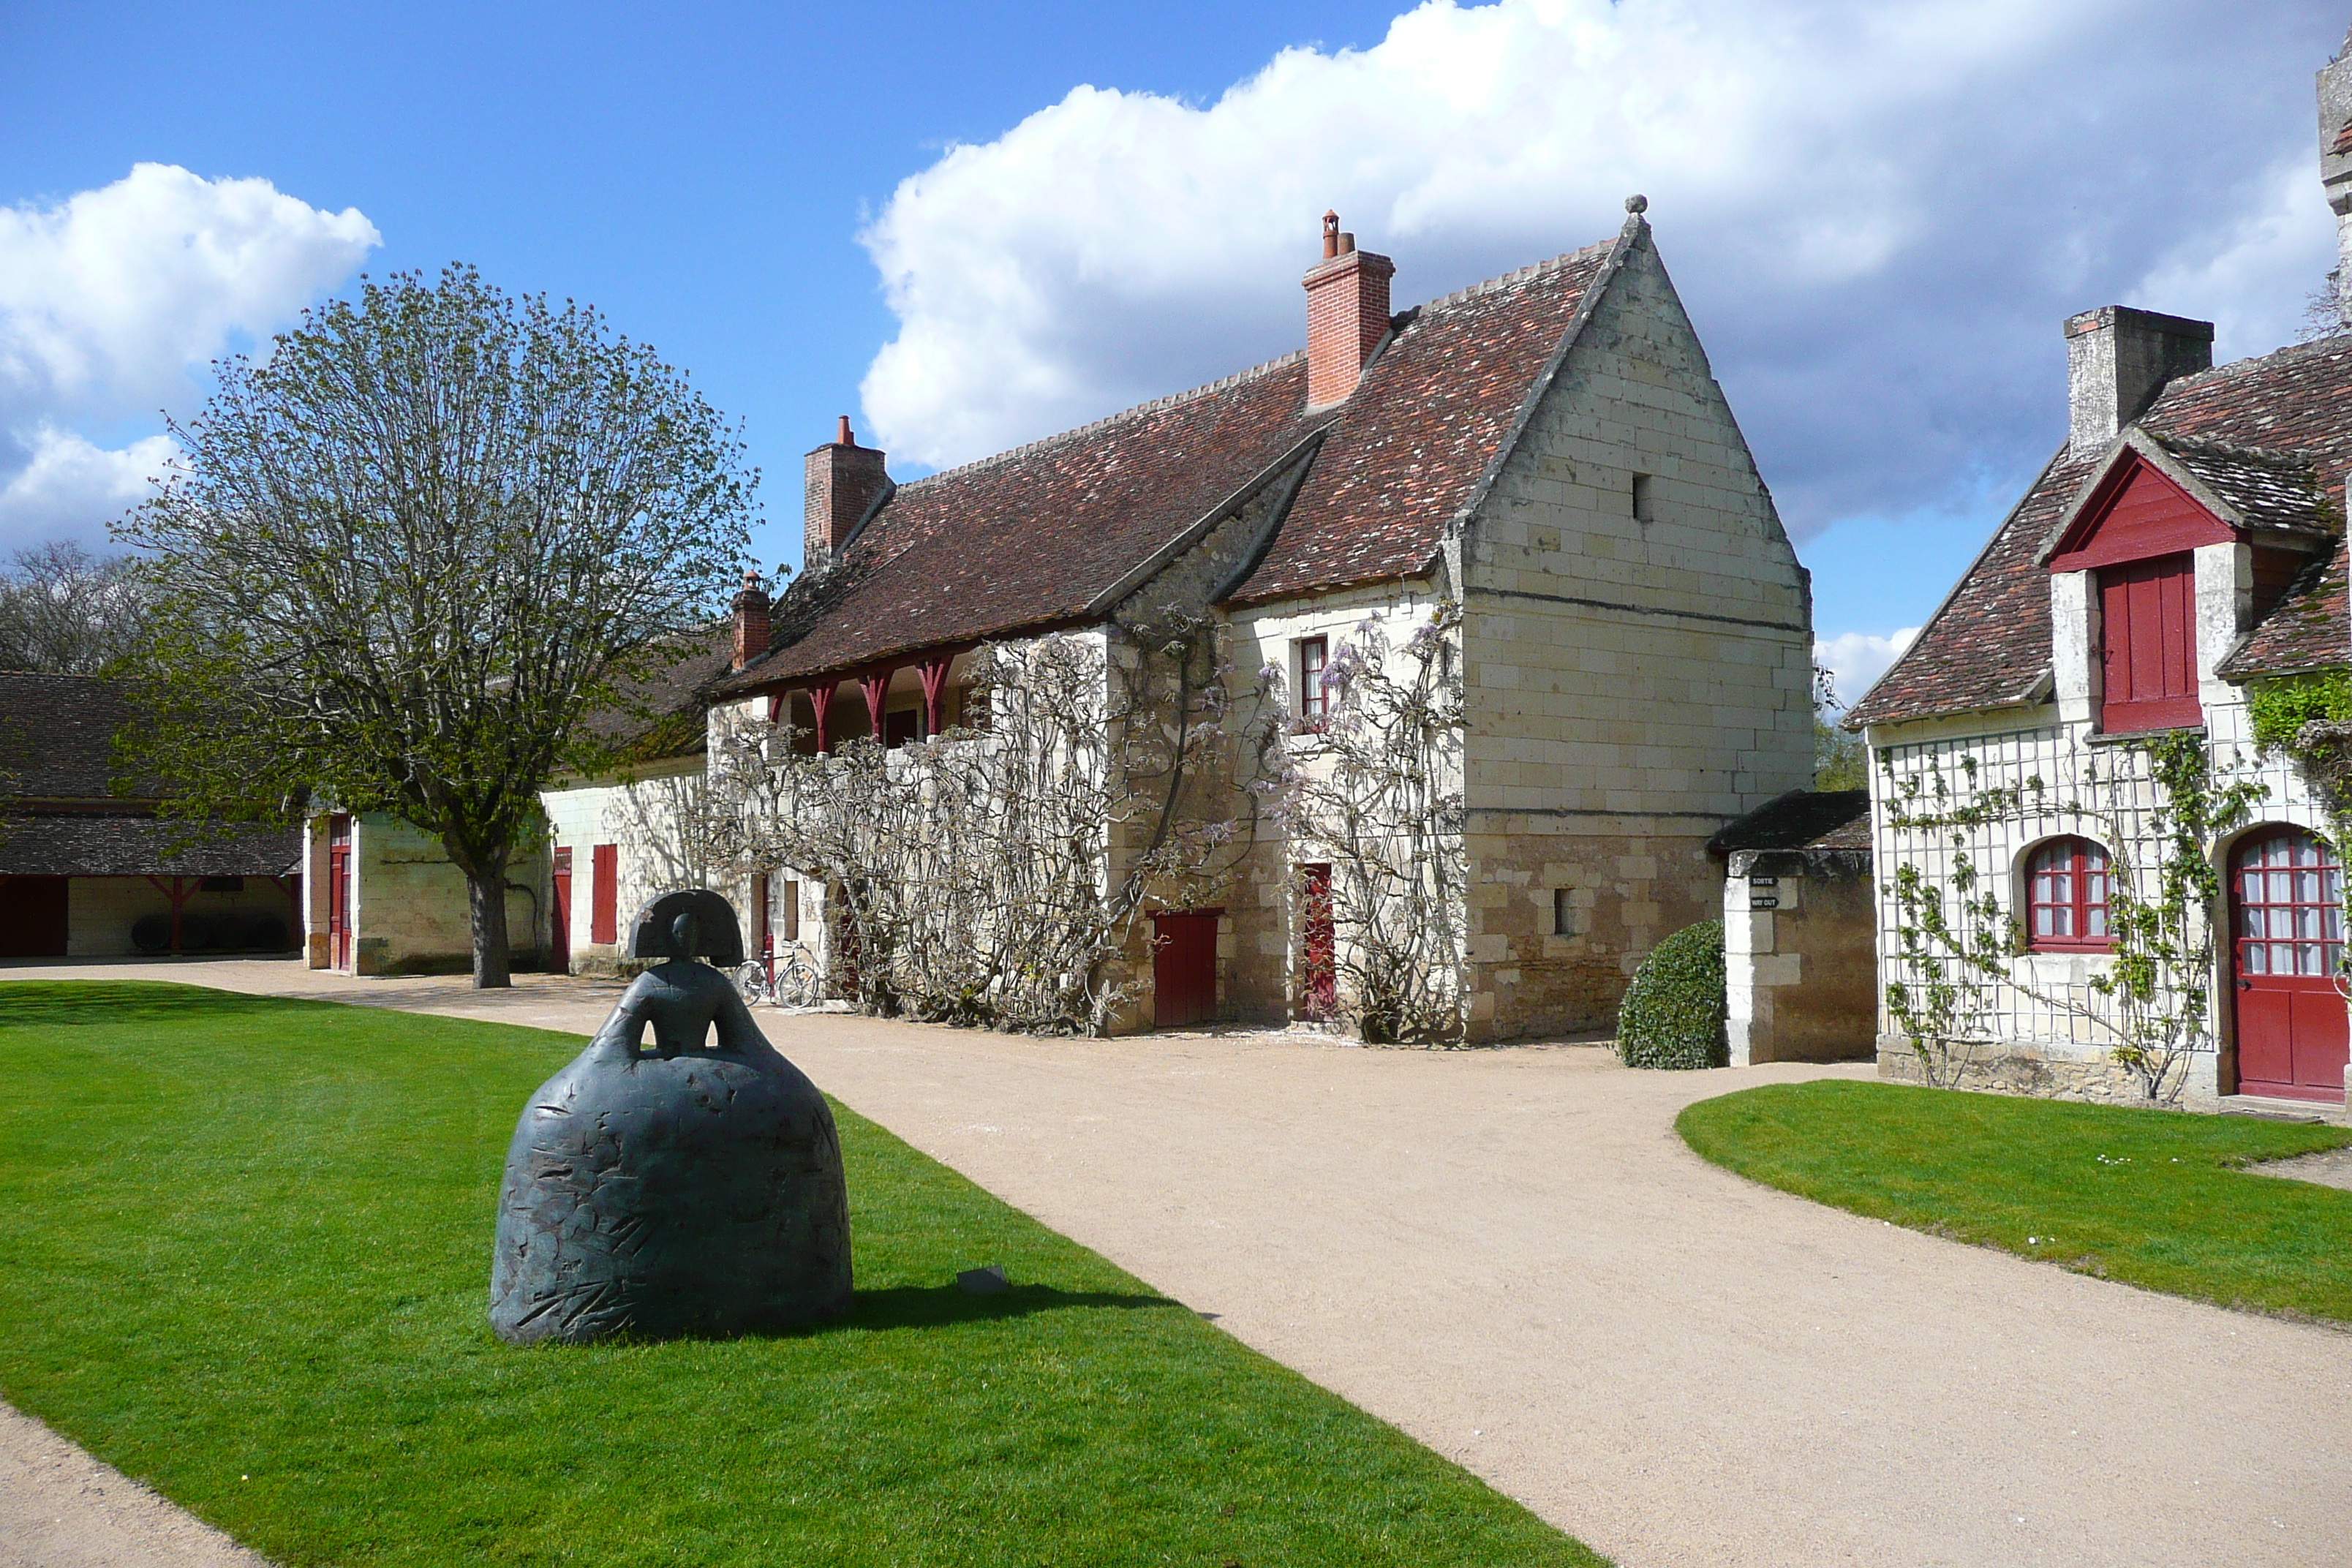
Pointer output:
2336, 165
2118, 360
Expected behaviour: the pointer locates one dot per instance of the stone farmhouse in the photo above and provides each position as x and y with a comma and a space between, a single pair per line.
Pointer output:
2182, 549
88, 873
1548, 451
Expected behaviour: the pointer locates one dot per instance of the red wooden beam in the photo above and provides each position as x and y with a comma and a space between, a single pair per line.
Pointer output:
876, 684
934, 672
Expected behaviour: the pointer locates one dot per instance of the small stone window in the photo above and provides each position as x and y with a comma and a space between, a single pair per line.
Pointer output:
2066, 897
1642, 497
1563, 911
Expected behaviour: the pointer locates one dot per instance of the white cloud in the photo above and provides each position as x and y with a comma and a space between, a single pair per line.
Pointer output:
1879, 214
1857, 658
111, 302
70, 488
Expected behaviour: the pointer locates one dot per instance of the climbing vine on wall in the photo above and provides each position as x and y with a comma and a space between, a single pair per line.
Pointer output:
2160, 808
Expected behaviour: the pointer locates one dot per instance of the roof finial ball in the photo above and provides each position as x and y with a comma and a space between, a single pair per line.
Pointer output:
1637, 204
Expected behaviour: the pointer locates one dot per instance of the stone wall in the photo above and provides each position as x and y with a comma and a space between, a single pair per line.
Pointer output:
1639, 661
642, 818
101, 910
1800, 961
2047, 1070
408, 913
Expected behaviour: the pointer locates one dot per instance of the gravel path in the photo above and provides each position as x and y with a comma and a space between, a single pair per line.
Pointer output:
1511, 1255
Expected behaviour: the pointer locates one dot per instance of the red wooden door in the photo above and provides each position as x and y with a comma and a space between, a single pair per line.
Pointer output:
604, 893
1183, 969
32, 917
339, 892
559, 915
2287, 923
1319, 943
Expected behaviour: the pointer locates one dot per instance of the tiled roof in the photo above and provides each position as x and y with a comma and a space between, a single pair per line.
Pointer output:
132, 843
1031, 538
1988, 646
663, 713
1801, 819
56, 735
2270, 489
2306, 630
1412, 445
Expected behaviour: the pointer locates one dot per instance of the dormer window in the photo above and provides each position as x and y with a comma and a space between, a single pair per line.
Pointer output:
2148, 657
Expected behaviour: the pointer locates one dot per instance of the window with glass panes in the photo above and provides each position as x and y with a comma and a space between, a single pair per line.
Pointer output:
2066, 897
1314, 703
2290, 907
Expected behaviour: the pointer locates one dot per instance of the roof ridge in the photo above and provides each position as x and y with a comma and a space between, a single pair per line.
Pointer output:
1517, 274
1152, 405
2206, 445
2337, 342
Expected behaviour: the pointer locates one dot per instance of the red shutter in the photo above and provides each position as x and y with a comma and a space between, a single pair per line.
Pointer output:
604, 897
2148, 613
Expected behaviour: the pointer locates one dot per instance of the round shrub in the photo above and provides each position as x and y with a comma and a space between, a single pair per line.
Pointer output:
1672, 1013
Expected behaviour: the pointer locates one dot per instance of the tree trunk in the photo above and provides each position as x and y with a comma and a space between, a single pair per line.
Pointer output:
486, 901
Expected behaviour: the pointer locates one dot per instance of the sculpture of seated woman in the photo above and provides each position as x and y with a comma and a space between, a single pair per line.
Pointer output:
691, 1187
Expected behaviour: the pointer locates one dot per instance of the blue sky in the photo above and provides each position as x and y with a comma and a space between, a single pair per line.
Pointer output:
967, 226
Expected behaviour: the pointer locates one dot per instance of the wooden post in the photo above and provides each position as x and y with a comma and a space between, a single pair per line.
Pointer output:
934, 672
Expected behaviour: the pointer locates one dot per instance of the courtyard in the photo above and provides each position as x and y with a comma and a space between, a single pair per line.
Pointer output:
1512, 1257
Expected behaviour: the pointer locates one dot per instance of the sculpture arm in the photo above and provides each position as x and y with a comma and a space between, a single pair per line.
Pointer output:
737, 1032
625, 1029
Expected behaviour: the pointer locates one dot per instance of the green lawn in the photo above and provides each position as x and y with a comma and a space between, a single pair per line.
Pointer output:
245, 1257
2149, 1197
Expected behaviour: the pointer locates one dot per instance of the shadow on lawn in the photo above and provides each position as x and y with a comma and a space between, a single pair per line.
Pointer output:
53, 1003
934, 1306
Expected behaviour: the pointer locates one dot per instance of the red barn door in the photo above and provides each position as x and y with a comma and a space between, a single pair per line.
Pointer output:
1183, 969
559, 936
2287, 897
1319, 943
604, 893
339, 892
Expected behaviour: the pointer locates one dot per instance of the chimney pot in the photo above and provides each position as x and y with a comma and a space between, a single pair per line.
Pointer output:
2118, 360
1346, 314
845, 439
751, 607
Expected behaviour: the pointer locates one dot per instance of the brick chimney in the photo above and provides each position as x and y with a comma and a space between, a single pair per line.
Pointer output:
2336, 167
844, 478
1346, 314
2118, 360
750, 619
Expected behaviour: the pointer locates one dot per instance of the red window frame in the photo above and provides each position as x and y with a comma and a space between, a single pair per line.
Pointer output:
2066, 888
1314, 702
2148, 653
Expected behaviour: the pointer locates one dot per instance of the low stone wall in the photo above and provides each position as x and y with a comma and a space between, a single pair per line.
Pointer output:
2047, 1073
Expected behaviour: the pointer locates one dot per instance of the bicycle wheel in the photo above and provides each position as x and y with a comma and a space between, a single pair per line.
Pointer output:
795, 985
751, 981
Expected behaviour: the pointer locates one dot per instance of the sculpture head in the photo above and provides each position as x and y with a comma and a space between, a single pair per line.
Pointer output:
693, 923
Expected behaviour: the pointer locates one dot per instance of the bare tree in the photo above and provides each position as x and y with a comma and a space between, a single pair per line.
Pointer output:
63, 611
405, 555
1377, 792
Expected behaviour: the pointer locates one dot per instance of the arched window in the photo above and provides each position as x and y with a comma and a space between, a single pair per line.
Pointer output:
2066, 897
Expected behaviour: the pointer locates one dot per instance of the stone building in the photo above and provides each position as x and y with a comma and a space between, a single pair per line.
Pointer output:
1800, 955
384, 897
86, 872
2182, 550
1548, 451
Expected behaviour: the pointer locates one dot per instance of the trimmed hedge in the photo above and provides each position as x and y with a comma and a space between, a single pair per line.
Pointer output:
1672, 1013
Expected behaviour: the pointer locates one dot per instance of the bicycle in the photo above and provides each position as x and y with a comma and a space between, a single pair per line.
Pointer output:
790, 981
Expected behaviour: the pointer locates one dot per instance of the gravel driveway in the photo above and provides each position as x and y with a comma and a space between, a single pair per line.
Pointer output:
1511, 1255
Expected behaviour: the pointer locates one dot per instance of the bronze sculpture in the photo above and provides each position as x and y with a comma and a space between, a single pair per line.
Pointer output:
687, 1189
